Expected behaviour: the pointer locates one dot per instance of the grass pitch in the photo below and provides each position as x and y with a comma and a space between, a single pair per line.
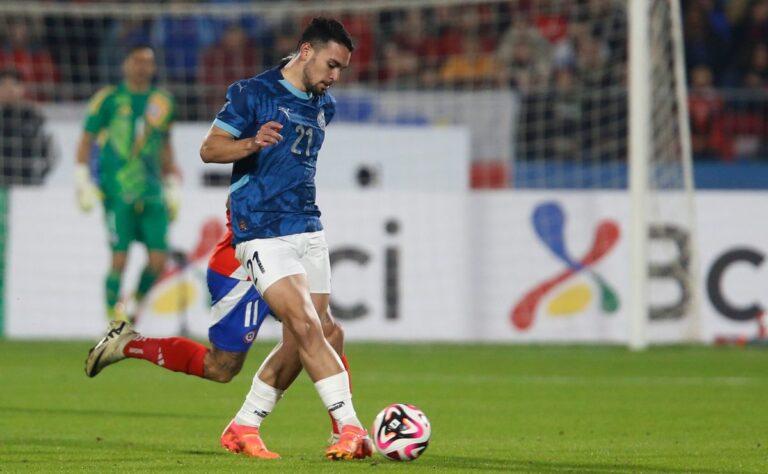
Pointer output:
493, 408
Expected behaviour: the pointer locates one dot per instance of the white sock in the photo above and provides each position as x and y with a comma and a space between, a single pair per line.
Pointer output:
335, 394
259, 402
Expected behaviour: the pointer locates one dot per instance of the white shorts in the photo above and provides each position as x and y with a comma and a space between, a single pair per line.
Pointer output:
268, 260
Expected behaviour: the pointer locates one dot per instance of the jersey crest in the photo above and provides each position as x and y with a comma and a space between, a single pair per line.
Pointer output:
321, 120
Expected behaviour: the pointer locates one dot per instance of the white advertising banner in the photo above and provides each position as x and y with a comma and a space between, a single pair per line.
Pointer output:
534, 287
490, 266
397, 274
396, 156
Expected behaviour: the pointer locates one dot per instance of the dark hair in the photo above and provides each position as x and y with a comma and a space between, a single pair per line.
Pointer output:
132, 48
10, 73
322, 30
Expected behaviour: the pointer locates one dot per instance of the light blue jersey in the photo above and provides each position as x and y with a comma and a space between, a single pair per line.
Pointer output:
272, 193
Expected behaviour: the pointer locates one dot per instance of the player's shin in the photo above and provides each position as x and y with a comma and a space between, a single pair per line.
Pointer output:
112, 292
334, 424
259, 403
147, 279
173, 353
336, 396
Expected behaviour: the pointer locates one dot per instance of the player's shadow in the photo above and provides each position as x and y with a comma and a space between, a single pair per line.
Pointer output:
473, 463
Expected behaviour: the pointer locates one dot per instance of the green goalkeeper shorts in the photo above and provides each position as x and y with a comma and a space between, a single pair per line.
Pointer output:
143, 220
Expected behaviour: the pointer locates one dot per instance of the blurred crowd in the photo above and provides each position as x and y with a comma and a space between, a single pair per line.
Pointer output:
515, 43
549, 50
726, 48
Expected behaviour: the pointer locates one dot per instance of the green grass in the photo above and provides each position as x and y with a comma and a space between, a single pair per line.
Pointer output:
493, 408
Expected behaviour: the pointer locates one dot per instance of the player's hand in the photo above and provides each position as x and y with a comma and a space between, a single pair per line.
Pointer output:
172, 192
268, 134
87, 193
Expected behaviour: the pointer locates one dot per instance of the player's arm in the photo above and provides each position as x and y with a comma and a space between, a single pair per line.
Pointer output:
167, 160
86, 192
171, 179
84, 147
220, 146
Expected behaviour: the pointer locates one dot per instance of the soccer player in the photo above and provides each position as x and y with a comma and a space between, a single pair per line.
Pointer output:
138, 178
237, 314
271, 128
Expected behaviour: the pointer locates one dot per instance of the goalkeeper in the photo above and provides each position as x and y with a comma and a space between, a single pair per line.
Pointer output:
138, 180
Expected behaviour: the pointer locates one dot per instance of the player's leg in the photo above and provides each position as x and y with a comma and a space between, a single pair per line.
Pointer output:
121, 230
352, 440
177, 354
298, 266
153, 222
112, 284
286, 290
334, 333
242, 434
282, 366
237, 314
278, 371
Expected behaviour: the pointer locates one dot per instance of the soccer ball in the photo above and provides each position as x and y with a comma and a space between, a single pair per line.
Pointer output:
401, 432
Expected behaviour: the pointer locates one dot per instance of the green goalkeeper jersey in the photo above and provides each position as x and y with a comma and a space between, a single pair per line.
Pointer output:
132, 129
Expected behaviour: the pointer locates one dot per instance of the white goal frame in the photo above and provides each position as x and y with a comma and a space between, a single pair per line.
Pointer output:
640, 129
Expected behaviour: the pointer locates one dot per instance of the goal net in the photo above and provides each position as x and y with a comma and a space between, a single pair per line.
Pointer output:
535, 99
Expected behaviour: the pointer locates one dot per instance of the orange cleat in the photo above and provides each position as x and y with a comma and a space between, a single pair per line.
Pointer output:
354, 443
246, 440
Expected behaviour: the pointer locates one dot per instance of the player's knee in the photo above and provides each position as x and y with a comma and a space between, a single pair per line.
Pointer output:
222, 374
333, 332
156, 262
220, 368
300, 321
222, 377
117, 266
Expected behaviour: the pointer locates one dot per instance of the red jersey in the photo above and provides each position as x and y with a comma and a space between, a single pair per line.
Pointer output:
223, 259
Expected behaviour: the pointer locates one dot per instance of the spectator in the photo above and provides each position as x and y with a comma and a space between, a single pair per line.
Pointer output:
360, 27
118, 38
30, 59
472, 67
179, 38
399, 68
525, 55
706, 109
750, 31
26, 150
411, 36
448, 39
707, 38
592, 64
564, 117
747, 120
608, 23
756, 72
230, 59
284, 42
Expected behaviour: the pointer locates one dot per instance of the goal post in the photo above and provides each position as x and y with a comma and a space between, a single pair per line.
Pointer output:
639, 155
661, 178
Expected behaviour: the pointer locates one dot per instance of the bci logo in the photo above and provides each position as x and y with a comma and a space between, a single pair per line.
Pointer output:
549, 222
714, 281
361, 257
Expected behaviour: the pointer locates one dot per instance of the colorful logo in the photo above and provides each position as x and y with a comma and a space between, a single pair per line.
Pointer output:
549, 224
183, 285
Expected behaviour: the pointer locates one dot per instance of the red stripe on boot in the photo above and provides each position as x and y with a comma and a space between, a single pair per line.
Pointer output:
173, 353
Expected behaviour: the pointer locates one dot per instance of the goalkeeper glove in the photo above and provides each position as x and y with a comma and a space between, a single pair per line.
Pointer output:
172, 191
87, 193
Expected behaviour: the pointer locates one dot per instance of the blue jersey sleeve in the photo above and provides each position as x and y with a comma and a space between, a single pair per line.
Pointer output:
237, 112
